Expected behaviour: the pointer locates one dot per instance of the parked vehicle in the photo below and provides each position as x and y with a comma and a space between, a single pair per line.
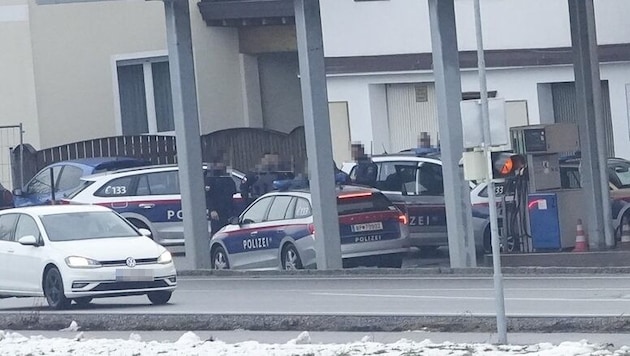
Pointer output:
6, 198
149, 197
67, 253
66, 177
413, 181
276, 232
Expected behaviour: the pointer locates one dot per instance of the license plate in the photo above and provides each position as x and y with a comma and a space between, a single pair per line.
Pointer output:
134, 275
367, 227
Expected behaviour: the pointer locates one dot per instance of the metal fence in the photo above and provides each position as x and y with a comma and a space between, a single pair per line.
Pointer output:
240, 148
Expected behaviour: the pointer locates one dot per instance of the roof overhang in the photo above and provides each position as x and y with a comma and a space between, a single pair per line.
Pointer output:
240, 13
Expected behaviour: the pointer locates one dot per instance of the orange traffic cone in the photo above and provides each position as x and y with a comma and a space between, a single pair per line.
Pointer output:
625, 235
580, 239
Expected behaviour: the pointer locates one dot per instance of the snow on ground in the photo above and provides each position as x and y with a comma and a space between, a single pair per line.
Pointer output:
15, 344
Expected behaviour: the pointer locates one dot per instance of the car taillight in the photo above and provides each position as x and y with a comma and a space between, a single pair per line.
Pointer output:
403, 219
311, 228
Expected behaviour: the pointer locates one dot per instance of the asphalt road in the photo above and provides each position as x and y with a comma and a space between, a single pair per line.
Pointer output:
375, 295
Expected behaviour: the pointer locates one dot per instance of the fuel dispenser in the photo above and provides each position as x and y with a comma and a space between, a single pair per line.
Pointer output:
553, 211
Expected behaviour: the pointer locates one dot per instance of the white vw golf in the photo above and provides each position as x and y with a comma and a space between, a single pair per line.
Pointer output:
78, 252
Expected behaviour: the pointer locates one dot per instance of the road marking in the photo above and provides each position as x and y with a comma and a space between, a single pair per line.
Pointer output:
466, 298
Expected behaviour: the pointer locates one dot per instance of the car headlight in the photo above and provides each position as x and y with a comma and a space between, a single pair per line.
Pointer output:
165, 258
82, 262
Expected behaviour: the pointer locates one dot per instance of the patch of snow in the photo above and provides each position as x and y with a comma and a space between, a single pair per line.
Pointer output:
73, 327
303, 338
12, 343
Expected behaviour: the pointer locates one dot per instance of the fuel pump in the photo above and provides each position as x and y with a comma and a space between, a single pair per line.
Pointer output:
552, 210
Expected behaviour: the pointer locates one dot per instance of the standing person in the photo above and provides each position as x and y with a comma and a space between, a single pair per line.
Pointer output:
366, 171
220, 190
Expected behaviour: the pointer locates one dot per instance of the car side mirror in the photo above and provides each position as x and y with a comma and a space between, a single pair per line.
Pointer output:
234, 220
28, 240
17, 192
145, 232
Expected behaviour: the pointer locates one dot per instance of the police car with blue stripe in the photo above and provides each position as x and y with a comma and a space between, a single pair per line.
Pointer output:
276, 231
413, 180
148, 197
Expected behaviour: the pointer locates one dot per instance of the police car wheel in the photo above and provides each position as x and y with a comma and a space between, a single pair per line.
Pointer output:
160, 297
219, 259
290, 258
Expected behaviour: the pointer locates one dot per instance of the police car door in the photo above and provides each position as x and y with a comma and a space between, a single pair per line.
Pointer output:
250, 245
160, 202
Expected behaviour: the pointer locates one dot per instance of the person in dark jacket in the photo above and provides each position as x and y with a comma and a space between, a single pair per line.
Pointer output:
220, 190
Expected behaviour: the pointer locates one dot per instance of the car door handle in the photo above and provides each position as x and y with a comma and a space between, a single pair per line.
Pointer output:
146, 205
281, 231
254, 233
10, 251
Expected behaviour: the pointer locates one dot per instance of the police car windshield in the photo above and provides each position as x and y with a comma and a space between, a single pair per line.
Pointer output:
362, 203
86, 225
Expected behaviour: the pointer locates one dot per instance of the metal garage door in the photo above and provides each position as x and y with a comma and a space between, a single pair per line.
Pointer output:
411, 109
565, 108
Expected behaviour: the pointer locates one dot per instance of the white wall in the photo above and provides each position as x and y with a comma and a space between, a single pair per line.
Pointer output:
73, 45
17, 92
402, 26
511, 84
218, 74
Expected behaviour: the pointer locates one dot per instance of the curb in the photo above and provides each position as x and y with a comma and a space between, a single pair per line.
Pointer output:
187, 322
481, 271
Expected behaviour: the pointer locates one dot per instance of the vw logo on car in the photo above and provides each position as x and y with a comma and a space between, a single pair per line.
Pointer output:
130, 262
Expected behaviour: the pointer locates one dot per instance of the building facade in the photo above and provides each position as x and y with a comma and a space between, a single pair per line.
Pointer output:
81, 70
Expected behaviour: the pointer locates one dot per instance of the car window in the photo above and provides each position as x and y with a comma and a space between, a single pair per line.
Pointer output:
363, 203
70, 178
570, 177
620, 174
279, 208
430, 180
116, 187
396, 176
291, 210
256, 212
162, 183
40, 184
7, 226
94, 225
26, 226
302, 208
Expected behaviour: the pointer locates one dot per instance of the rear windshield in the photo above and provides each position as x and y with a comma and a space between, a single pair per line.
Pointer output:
363, 203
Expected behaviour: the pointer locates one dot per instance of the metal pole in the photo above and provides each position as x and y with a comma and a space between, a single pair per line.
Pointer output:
591, 122
21, 157
448, 87
494, 226
187, 133
317, 130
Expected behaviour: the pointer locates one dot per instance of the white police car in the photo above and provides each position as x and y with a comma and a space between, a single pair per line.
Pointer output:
413, 181
148, 197
276, 232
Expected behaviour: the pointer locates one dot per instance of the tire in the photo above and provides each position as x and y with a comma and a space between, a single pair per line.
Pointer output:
391, 261
160, 297
83, 301
290, 258
219, 259
53, 290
